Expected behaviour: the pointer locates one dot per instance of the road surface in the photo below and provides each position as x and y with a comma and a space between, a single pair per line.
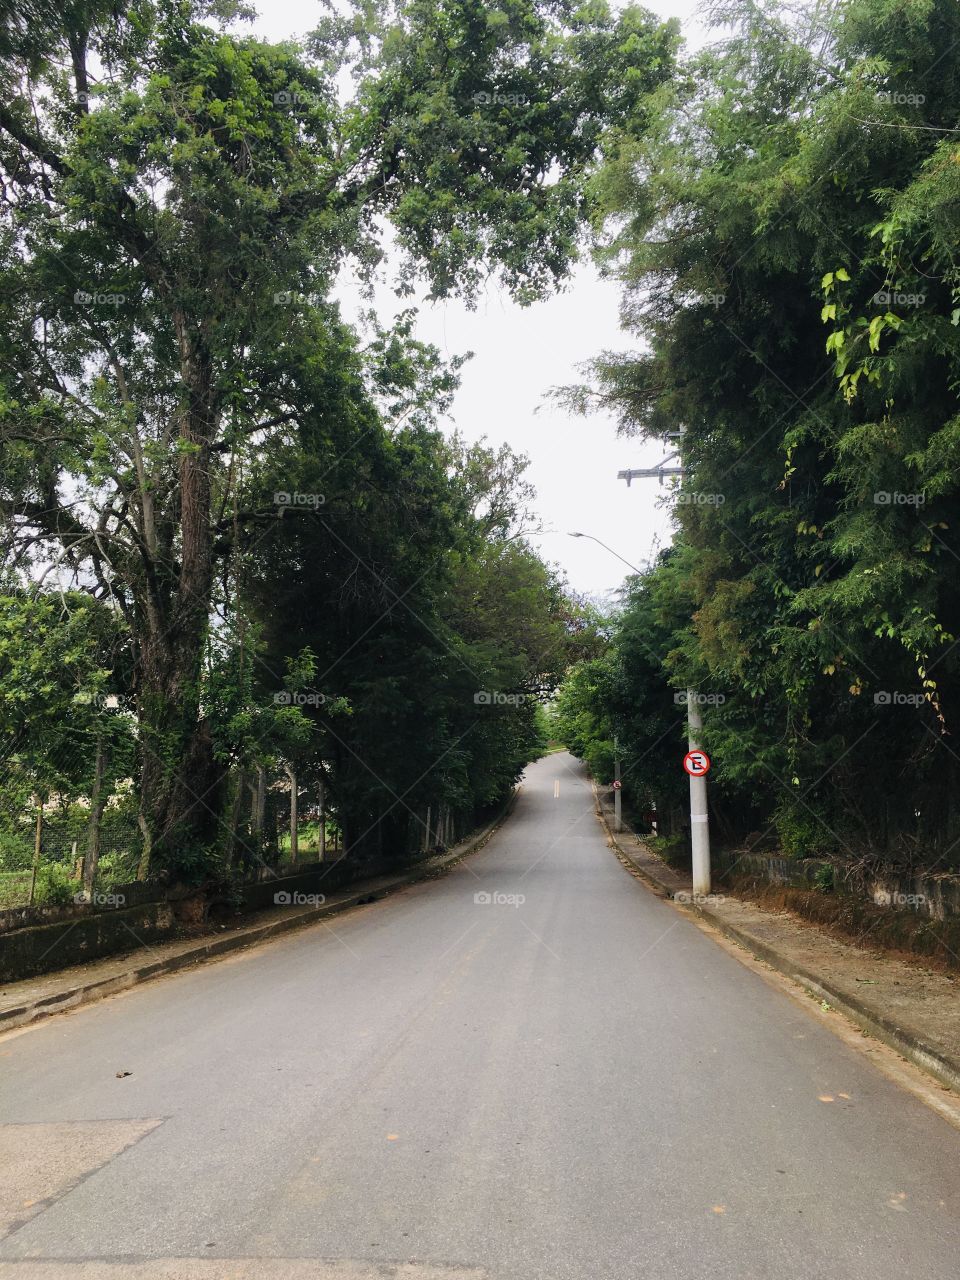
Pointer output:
530, 1068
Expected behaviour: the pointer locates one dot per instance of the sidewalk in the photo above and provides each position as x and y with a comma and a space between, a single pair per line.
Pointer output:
913, 1010
22, 1002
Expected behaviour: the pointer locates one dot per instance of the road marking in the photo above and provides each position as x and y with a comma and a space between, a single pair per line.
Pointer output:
556, 788
43, 1161
237, 1269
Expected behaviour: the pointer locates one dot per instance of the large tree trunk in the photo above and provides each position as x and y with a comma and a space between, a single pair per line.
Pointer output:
323, 823
258, 808
181, 784
143, 868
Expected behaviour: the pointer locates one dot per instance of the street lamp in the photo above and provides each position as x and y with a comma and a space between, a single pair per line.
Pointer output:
606, 548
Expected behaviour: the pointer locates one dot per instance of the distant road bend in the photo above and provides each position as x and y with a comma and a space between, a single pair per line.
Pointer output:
529, 1069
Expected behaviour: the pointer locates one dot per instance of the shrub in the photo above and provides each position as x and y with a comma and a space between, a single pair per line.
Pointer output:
599, 757
800, 832
54, 887
116, 867
672, 848
824, 878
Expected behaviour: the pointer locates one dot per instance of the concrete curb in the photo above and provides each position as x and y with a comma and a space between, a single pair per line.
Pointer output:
944, 1069
364, 891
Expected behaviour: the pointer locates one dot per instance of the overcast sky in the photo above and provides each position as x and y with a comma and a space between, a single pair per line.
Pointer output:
519, 354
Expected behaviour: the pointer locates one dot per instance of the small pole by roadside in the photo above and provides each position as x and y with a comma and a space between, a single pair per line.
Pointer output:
617, 789
294, 816
37, 841
323, 824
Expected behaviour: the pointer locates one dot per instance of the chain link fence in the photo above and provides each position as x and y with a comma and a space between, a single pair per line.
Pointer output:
43, 845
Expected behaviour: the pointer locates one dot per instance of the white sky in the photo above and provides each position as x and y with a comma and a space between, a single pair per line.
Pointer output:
519, 354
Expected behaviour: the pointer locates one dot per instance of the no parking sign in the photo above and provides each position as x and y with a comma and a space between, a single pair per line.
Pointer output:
696, 763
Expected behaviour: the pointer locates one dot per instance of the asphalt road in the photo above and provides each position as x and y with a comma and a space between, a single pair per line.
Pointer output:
568, 1081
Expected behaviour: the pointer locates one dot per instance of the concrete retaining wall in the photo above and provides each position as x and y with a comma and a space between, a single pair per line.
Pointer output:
37, 949
37, 940
932, 894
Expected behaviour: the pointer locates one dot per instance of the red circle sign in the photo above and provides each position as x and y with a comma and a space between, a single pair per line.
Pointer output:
696, 763
617, 785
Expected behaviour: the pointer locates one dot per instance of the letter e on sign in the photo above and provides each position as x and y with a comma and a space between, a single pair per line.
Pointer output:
696, 763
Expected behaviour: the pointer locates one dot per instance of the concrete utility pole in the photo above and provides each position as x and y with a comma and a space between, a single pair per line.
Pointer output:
699, 813
699, 818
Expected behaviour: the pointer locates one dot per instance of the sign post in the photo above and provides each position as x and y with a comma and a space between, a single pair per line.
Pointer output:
697, 764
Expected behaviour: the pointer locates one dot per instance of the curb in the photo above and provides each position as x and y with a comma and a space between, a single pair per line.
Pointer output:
210, 949
946, 1071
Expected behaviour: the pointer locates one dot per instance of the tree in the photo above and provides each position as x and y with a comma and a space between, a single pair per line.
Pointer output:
62, 696
175, 207
429, 614
785, 240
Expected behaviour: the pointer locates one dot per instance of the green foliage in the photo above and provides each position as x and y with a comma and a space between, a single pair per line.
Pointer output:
578, 719
62, 661
800, 833
483, 123
786, 239
824, 879
115, 868
544, 732
54, 886
16, 851
449, 636
673, 848
179, 199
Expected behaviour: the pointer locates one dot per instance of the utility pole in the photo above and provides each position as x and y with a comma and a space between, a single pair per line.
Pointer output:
699, 817
699, 813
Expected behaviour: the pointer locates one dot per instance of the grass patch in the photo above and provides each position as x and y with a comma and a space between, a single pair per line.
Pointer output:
14, 888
